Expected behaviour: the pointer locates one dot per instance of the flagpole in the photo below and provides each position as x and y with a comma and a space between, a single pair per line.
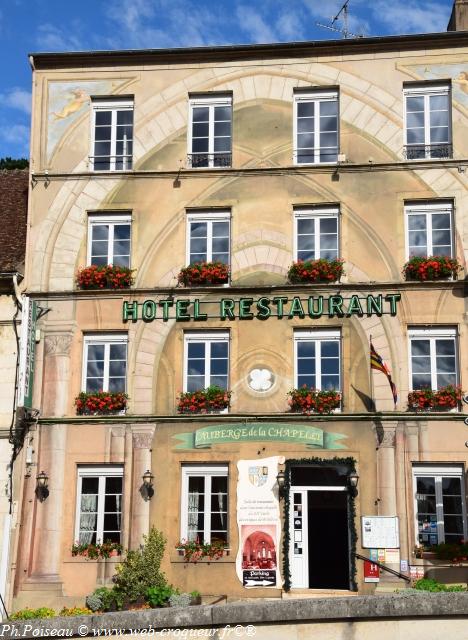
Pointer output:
371, 375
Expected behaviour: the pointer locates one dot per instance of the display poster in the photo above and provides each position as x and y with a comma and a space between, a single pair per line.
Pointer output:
258, 519
371, 572
380, 531
392, 556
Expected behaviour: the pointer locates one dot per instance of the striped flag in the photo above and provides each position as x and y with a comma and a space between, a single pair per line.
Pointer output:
378, 364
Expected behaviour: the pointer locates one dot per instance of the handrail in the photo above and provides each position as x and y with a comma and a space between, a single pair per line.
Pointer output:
4, 608
382, 566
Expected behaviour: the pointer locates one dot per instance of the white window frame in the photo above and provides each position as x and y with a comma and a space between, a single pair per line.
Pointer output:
103, 472
211, 102
114, 105
113, 220
215, 336
317, 336
439, 472
206, 472
316, 214
106, 340
432, 334
209, 217
317, 97
427, 209
426, 90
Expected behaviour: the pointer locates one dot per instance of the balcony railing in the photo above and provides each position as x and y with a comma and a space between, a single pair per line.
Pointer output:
112, 163
200, 160
423, 151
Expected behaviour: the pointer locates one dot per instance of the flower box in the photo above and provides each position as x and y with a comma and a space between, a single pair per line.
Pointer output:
99, 550
431, 268
100, 403
204, 273
104, 277
193, 550
306, 400
322, 270
208, 400
443, 399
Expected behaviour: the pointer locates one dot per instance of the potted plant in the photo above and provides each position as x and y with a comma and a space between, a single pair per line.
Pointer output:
322, 270
431, 268
453, 551
104, 277
443, 399
100, 402
93, 551
194, 550
208, 400
307, 400
204, 273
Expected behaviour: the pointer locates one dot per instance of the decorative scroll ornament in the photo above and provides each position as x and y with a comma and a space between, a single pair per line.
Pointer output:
58, 344
261, 379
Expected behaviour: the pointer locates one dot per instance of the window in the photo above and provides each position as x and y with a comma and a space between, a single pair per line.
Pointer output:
208, 237
316, 233
112, 135
109, 240
429, 229
433, 358
439, 504
209, 143
315, 127
317, 358
427, 111
105, 363
206, 360
99, 504
204, 503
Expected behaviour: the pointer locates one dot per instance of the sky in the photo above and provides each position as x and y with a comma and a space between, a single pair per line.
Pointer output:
63, 25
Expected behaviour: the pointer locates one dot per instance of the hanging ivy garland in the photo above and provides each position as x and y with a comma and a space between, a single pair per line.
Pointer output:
318, 462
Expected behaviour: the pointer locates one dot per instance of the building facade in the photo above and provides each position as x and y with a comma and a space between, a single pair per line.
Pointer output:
250, 157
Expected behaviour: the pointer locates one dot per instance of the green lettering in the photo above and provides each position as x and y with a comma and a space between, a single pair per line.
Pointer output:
130, 311
354, 306
296, 308
181, 310
165, 304
335, 306
148, 310
280, 301
244, 308
393, 298
315, 310
263, 306
227, 309
374, 305
196, 311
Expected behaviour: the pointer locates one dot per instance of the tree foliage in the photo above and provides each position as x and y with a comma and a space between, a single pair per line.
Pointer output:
13, 163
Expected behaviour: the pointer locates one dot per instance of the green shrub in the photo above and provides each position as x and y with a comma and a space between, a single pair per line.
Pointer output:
29, 614
105, 599
75, 611
158, 596
429, 584
141, 568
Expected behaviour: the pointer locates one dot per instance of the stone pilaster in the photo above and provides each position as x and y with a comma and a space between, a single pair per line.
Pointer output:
142, 441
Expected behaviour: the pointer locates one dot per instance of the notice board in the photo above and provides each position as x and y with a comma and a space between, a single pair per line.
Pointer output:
380, 532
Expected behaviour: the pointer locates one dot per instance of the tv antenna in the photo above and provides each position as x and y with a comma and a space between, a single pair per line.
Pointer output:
345, 31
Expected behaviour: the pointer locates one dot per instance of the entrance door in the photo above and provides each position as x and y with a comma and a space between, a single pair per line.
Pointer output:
319, 549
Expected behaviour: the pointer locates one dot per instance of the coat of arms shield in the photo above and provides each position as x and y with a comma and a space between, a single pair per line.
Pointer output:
258, 475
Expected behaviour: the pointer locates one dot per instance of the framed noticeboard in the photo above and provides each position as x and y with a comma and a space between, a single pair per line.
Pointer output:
380, 532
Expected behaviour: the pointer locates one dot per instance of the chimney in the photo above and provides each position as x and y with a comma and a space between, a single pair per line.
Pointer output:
459, 18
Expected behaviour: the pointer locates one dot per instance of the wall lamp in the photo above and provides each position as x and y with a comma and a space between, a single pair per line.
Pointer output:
42, 486
280, 478
147, 489
353, 480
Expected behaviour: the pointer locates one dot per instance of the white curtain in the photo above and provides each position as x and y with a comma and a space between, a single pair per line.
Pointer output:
88, 521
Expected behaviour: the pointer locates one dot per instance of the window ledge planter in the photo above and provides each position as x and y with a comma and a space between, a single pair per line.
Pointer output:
212, 399
97, 551
193, 551
100, 403
444, 399
323, 270
201, 274
104, 277
431, 268
306, 400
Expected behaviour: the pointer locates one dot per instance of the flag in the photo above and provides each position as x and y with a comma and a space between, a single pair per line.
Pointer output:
378, 364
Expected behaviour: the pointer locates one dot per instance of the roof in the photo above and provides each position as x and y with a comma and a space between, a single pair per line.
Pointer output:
13, 211
73, 59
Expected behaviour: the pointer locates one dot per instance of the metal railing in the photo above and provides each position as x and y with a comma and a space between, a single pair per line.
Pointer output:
384, 568
2, 602
200, 160
424, 151
121, 162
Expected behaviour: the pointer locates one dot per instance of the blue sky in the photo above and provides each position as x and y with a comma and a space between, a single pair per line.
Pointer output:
61, 25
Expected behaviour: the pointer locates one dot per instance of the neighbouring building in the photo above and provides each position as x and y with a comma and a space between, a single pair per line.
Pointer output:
13, 208
246, 159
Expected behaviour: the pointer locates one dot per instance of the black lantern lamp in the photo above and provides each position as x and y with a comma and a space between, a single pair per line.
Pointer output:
42, 486
353, 480
147, 489
280, 478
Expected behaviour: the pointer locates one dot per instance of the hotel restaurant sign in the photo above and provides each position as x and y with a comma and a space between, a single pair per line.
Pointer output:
334, 306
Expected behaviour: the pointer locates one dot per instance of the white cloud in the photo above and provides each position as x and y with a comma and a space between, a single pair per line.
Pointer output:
16, 134
16, 98
290, 26
51, 38
411, 16
253, 24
